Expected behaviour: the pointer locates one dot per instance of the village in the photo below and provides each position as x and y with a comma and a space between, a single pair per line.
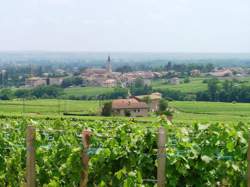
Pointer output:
131, 104
106, 77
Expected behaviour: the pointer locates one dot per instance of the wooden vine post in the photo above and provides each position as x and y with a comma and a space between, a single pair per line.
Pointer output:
31, 159
248, 164
86, 134
161, 158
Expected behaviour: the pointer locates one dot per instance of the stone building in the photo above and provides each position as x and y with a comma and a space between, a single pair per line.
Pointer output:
129, 107
174, 81
35, 81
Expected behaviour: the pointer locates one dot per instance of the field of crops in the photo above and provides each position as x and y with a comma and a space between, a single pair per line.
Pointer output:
124, 153
48, 106
185, 111
188, 111
87, 91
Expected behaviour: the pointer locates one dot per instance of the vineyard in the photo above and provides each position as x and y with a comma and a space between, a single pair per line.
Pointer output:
124, 153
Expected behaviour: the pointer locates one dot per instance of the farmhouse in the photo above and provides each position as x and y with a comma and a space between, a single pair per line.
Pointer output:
195, 73
109, 83
153, 100
222, 73
35, 81
129, 107
174, 81
56, 81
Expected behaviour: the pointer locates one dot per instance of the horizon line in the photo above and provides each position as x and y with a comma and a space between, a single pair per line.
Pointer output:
83, 51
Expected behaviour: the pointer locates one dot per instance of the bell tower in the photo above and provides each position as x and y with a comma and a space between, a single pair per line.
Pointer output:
109, 66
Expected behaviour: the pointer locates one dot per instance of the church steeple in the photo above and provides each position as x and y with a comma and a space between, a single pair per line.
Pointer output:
109, 66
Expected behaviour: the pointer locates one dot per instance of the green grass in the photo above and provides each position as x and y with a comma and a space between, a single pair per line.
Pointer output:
185, 111
195, 85
211, 111
87, 91
49, 106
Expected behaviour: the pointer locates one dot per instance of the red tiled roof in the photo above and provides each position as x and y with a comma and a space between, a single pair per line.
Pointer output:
128, 104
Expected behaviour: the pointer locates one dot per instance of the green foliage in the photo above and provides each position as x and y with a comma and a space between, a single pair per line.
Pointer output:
123, 153
146, 99
47, 91
6, 94
107, 109
227, 91
23, 93
76, 81
127, 113
117, 93
115, 153
163, 105
140, 88
187, 80
213, 88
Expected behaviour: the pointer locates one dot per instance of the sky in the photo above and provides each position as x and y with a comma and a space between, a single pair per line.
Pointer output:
125, 25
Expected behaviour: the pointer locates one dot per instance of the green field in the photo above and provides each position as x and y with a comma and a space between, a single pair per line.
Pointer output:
195, 85
87, 91
48, 106
185, 111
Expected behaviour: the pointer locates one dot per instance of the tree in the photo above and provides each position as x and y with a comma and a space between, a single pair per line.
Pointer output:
146, 99
47, 92
127, 113
163, 105
72, 81
6, 94
107, 109
168, 67
139, 83
186, 80
22, 93
140, 88
213, 88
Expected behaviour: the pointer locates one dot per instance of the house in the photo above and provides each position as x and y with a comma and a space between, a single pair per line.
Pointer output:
222, 73
174, 81
195, 73
35, 81
109, 83
129, 107
152, 100
56, 81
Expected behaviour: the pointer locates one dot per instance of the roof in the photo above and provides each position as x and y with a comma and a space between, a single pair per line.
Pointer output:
35, 78
128, 104
109, 81
221, 73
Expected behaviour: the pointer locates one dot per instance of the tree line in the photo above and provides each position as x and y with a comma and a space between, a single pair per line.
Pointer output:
227, 91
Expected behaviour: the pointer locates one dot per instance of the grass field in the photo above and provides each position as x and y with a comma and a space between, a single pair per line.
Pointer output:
195, 85
87, 91
185, 111
211, 111
48, 106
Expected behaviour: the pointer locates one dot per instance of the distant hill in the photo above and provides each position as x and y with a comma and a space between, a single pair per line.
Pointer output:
118, 58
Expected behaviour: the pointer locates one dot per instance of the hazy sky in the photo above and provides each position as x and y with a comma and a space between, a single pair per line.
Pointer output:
125, 25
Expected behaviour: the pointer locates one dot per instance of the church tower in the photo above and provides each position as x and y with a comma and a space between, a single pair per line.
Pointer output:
109, 66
